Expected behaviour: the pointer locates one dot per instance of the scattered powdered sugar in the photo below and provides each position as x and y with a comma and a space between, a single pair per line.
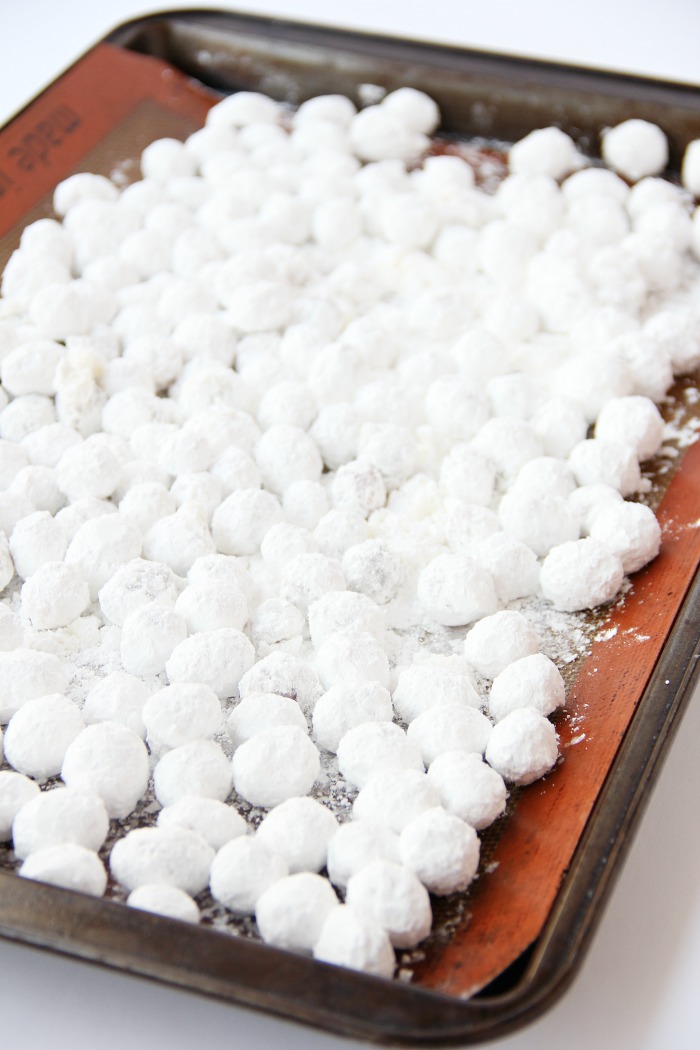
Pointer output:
317, 456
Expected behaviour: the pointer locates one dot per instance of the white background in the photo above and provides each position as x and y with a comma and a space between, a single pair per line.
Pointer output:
639, 987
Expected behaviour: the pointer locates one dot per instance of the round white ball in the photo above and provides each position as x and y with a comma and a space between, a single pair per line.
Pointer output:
241, 872
275, 765
523, 746
441, 850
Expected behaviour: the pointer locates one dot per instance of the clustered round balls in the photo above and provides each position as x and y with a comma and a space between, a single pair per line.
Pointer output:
285, 429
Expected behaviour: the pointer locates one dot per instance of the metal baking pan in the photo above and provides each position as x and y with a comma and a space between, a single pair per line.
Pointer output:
501, 955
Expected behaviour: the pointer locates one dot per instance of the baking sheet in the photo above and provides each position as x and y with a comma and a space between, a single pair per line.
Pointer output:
553, 859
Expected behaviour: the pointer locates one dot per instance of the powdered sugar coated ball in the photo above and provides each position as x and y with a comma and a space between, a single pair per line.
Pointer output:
512, 564
509, 443
307, 577
606, 463
181, 713
374, 569
456, 407
12, 509
345, 610
467, 475
377, 134
138, 583
391, 449
101, 546
261, 711
70, 866
172, 856
26, 675
522, 746
200, 488
149, 636
291, 913
284, 541
499, 640
59, 816
119, 697
299, 830
39, 734
345, 706
166, 158
35, 540
241, 521
216, 822
161, 899
287, 403
218, 659
72, 516
25, 414
394, 898
350, 657
356, 844
30, 368
533, 681
180, 538
90, 469
16, 791
674, 334
546, 474
207, 607
560, 424
81, 187
358, 486
373, 746
630, 531
454, 590
285, 675
274, 621
54, 596
285, 454
275, 765
441, 850
635, 148
423, 686
414, 108
11, 630
241, 871
222, 568
39, 485
537, 519
242, 109
199, 768
449, 727
111, 761
234, 469
468, 788
632, 421
580, 575
336, 432
305, 503
588, 500
350, 939
466, 525
690, 170
547, 151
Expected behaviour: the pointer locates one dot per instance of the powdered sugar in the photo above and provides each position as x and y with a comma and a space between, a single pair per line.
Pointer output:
363, 431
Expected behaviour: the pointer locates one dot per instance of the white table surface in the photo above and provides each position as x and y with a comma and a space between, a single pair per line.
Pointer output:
638, 988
